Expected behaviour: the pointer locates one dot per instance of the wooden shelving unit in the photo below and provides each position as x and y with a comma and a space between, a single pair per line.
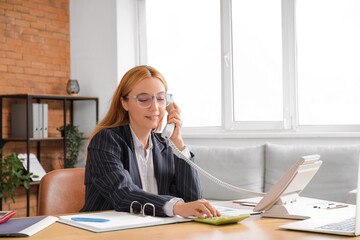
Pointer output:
29, 99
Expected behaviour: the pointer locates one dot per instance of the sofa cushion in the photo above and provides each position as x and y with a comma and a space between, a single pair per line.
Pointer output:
335, 178
351, 197
239, 166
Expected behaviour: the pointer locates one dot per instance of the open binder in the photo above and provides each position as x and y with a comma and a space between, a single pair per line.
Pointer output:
113, 220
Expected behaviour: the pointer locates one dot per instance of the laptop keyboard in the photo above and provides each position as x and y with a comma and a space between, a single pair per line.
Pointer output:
347, 225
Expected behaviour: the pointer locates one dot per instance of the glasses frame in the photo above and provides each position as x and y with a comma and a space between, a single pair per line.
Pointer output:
167, 95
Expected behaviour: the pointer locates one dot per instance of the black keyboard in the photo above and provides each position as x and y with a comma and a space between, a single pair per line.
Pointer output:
347, 225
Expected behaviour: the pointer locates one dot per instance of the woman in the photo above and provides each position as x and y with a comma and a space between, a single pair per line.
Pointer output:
128, 164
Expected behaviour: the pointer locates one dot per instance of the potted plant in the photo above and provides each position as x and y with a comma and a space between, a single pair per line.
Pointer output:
12, 175
73, 143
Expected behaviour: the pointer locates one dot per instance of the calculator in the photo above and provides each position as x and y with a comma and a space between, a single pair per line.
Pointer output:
223, 219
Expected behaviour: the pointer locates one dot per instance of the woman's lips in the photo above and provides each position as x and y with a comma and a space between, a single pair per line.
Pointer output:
152, 117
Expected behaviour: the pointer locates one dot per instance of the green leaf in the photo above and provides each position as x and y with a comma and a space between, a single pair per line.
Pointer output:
27, 184
12, 174
73, 143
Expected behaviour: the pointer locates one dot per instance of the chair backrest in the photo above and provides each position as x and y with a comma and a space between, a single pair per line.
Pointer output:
62, 191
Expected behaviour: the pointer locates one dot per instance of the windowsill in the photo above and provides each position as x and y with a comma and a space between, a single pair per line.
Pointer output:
218, 132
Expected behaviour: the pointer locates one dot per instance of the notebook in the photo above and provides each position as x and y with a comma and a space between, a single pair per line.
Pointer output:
340, 221
25, 227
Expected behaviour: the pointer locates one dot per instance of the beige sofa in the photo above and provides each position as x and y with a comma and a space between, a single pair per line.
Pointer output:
258, 168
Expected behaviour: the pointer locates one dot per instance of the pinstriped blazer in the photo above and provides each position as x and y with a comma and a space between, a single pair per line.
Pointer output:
112, 176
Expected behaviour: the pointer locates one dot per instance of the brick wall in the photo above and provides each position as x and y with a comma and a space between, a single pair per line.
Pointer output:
20, 202
34, 58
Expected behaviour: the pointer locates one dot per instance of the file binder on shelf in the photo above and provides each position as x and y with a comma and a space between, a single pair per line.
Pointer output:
44, 120
38, 118
35, 123
18, 120
39, 121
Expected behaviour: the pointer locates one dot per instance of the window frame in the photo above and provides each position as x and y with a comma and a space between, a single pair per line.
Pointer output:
289, 127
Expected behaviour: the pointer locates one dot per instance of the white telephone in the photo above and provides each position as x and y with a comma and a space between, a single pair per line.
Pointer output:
169, 128
168, 131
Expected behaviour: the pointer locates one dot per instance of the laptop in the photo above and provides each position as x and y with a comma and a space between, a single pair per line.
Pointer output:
341, 221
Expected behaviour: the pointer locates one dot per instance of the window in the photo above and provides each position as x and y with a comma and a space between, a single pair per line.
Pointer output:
328, 40
257, 60
183, 43
259, 64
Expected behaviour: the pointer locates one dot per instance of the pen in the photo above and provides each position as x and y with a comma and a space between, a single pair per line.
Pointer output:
331, 206
80, 219
250, 204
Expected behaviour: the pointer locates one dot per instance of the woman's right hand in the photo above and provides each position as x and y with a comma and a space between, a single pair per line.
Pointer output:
198, 208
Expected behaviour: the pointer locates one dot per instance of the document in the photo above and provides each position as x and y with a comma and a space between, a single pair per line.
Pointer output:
35, 166
112, 221
25, 227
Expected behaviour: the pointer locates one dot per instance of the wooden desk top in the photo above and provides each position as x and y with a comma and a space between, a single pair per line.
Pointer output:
255, 227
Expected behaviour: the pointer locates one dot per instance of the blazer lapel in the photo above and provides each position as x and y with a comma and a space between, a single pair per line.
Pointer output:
130, 163
160, 165
134, 169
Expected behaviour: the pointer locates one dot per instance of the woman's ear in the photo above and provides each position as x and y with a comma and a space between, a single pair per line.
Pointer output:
124, 103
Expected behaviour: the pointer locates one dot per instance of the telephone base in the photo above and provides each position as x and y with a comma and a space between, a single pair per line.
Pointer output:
291, 211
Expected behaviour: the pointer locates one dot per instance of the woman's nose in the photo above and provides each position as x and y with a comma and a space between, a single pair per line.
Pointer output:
154, 104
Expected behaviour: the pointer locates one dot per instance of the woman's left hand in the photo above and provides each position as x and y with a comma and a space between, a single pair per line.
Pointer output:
174, 117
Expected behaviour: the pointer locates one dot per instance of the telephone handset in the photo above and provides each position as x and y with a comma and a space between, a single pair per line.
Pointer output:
169, 128
168, 131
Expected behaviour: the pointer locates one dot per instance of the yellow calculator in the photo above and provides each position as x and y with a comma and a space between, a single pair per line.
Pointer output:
223, 219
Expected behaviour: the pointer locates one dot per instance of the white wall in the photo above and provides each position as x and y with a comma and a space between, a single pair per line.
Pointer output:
102, 47
93, 48
127, 36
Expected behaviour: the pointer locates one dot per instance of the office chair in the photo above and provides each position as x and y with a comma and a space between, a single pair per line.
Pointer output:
62, 191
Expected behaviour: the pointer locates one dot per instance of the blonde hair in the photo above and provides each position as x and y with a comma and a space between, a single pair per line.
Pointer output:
117, 115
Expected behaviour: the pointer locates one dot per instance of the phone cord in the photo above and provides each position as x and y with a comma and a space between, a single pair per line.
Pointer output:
211, 177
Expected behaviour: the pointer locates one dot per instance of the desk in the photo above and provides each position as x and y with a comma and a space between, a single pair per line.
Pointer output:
255, 227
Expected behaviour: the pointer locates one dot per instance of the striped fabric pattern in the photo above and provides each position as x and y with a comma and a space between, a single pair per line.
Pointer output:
112, 176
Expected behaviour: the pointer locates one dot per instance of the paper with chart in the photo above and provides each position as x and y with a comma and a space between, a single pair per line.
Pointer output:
117, 221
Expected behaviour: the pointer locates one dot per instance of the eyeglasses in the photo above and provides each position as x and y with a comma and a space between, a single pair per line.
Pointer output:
145, 100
